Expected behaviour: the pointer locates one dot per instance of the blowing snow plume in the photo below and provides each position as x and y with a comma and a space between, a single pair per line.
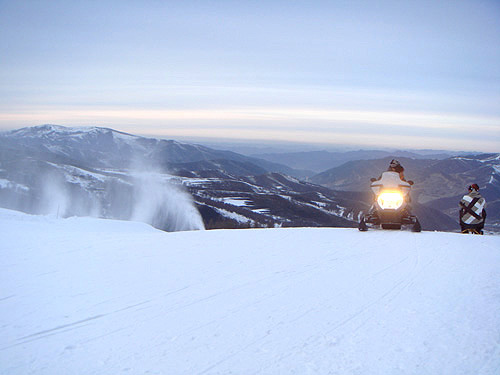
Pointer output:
62, 197
163, 205
147, 197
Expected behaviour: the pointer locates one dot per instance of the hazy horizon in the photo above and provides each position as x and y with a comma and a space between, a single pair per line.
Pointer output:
253, 147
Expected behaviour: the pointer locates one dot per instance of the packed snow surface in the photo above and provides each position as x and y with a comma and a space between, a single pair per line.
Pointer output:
90, 296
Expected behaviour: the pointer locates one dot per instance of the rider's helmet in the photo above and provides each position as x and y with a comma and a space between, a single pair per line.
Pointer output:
474, 187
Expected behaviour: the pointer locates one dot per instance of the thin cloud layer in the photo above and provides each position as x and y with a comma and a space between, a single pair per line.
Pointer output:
420, 74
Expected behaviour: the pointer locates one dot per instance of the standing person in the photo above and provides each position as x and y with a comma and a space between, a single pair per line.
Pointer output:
472, 211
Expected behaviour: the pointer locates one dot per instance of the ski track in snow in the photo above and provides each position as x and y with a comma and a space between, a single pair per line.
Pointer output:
92, 296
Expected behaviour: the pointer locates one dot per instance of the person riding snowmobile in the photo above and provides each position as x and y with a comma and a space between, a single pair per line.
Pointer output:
391, 208
395, 166
472, 211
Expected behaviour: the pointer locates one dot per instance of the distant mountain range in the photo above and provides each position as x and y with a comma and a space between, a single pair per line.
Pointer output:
107, 148
105, 173
313, 162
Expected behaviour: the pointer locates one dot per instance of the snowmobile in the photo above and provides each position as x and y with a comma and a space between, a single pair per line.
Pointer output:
391, 207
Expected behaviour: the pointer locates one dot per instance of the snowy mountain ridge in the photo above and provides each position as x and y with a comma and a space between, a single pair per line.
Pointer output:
100, 147
59, 130
112, 147
93, 296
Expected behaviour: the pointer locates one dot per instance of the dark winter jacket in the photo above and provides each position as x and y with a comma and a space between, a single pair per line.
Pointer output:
472, 208
399, 169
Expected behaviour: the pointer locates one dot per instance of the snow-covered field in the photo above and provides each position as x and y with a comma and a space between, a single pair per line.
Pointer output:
89, 296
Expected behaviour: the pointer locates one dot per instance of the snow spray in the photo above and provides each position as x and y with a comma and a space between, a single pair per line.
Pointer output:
163, 205
61, 198
148, 197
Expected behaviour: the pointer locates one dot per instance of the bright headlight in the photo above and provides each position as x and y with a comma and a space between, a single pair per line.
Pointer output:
390, 200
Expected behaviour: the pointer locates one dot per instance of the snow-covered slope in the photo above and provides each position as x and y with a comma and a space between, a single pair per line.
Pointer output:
90, 296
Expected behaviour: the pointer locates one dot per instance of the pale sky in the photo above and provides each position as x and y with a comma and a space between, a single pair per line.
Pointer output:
408, 74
